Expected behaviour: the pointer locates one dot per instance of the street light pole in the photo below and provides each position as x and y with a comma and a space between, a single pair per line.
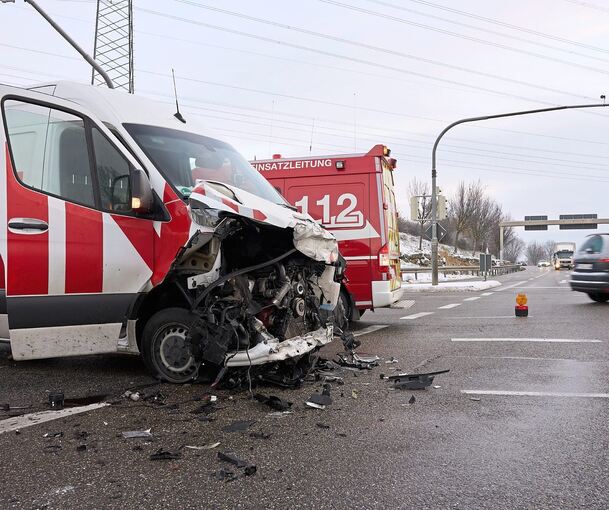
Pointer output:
434, 194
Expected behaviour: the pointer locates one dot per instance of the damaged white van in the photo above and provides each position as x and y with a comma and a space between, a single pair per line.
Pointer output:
125, 229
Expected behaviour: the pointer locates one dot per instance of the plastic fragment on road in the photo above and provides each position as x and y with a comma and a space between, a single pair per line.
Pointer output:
273, 402
354, 394
280, 414
209, 446
391, 360
260, 435
165, 455
413, 381
412, 400
320, 400
231, 458
475, 399
322, 425
56, 400
137, 434
239, 426
350, 360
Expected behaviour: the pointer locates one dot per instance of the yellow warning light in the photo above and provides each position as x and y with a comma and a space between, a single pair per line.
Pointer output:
521, 299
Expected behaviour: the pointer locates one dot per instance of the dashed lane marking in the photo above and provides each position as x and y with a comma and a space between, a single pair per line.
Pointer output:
550, 340
511, 286
486, 294
448, 307
507, 393
475, 298
490, 317
27, 420
416, 316
370, 329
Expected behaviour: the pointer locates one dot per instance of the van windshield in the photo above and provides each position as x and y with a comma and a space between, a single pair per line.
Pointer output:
185, 158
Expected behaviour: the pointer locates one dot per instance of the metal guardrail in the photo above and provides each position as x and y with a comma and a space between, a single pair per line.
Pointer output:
494, 271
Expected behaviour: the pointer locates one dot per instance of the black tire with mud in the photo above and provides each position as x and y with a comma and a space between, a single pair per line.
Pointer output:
163, 346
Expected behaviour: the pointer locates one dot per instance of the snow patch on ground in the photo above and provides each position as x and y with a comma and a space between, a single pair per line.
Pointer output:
426, 277
446, 286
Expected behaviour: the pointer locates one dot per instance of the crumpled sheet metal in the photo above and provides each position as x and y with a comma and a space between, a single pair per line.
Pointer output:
313, 240
273, 350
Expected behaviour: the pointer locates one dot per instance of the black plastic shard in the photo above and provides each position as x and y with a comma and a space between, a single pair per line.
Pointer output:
165, 455
273, 402
320, 400
414, 381
250, 469
238, 426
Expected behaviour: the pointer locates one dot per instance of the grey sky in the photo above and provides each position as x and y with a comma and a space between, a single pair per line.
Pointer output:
269, 96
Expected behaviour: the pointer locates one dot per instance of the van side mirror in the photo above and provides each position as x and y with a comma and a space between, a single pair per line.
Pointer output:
142, 198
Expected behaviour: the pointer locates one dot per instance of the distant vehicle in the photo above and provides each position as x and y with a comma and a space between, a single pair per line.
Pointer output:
543, 263
563, 255
353, 196
591, 272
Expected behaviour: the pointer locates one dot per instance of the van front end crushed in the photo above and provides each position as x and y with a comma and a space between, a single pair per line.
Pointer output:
262, 282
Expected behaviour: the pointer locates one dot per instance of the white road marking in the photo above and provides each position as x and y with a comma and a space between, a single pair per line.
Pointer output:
486, 294
562, 281
551, 340
416, 316
475, 298
448, 307
535, 287
535, 393
522, 358
491, 317
27, 420
370, 329
501, 289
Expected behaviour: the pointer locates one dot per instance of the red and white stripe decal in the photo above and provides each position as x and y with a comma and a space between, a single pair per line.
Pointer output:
84, 250
1, 273
27, 255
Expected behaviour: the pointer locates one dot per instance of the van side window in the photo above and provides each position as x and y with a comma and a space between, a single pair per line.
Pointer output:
49, 149
113, 174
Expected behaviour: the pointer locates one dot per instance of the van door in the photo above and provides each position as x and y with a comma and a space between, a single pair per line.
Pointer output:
75, 254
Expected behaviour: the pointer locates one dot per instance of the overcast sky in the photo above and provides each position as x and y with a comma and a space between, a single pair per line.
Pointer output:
269, 76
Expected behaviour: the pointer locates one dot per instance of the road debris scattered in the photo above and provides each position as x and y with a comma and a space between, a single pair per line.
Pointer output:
138, 434
280, 414
239, 426
320, 400
322, 425
354, 393
260, 435
248, 468
412, 400
165, 455
413, 381
352, 360
53, 434
209, 446
391, 360
273, 402
56, 400
475, 399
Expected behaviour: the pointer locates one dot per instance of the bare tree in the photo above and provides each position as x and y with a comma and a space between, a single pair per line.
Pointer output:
548, 247
417, 188
513, 250
535, 252
461, 206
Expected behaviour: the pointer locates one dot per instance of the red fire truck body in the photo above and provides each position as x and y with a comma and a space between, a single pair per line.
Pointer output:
353, 197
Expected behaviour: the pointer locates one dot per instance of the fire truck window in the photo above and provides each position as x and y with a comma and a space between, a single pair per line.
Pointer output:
113, 174
49, 150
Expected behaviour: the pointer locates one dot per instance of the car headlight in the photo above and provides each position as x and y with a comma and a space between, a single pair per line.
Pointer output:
205, 217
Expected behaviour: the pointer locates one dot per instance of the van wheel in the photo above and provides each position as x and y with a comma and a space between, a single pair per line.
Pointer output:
164, 347
599, 297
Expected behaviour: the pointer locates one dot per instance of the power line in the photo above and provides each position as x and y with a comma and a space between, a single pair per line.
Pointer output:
589, 5
372, 47
497, 22
488, 31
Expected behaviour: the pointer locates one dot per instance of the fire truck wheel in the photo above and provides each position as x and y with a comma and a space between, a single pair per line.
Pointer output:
342, 312
164, 348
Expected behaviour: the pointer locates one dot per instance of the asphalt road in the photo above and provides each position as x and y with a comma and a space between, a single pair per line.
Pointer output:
539, 441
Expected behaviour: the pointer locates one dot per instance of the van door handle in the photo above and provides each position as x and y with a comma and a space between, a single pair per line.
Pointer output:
27, 226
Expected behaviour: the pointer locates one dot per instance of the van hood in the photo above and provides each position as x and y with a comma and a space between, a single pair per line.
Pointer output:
310, 238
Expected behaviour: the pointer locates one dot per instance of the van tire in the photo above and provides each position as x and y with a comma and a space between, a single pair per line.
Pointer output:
599, 297
164, 348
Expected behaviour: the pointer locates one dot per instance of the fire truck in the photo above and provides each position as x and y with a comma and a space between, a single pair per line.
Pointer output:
352, 195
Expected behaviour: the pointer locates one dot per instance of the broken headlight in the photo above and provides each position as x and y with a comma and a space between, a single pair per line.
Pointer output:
205, 217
